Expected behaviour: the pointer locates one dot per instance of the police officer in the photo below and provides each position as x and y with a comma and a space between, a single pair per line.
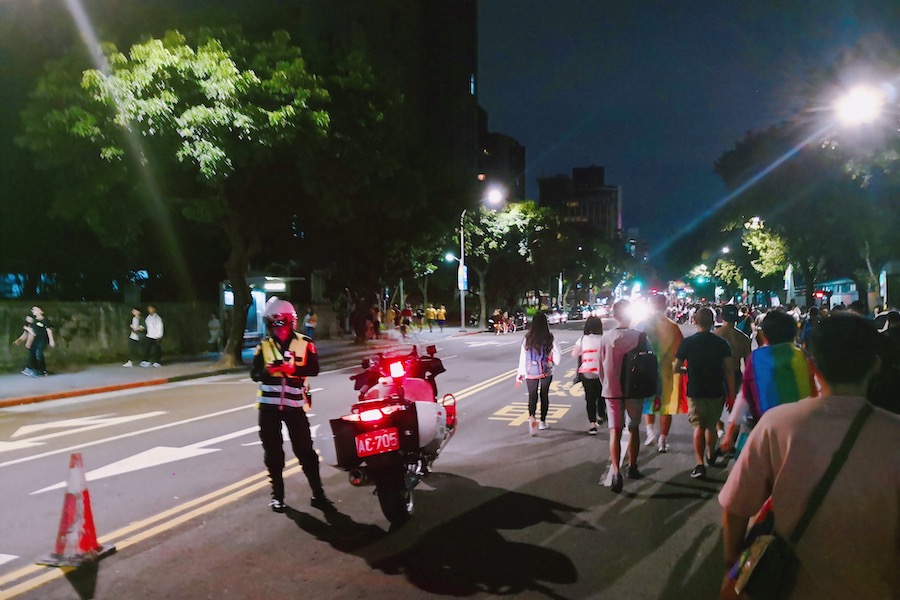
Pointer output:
281, 364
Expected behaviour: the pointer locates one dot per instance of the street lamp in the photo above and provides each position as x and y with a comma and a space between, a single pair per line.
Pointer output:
860, 105
494, 196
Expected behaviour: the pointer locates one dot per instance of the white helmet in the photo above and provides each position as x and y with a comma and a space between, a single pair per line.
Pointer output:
279, 310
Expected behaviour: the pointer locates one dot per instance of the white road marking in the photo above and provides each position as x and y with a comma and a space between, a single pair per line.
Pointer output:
154, 457
5, 558
124, 436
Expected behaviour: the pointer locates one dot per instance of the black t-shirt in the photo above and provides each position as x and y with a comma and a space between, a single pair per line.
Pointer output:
704, 353
40, 328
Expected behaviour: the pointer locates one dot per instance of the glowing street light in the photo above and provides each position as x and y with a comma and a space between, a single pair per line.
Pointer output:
494, 197
862, 104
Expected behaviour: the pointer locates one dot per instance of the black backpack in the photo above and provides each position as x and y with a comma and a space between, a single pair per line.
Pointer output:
640, 371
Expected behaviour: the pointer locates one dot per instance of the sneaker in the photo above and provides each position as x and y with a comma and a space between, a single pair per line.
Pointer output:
663, 446
128, 364
157, 365
651, 437
532, 427
601, 419
711, 460
277, 505
617, 484
145, 363
698, 472
632, 472
543, 425
592, 430
322, 503
29, 372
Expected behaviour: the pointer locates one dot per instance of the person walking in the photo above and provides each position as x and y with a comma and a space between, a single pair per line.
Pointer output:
442, 317
431, 317
135, 337
36, 365
849, 548
777, 372
740, 352
154, 333
309, 323
538, 354
710, 373
281, 364
587, 352
665, 338
614, 346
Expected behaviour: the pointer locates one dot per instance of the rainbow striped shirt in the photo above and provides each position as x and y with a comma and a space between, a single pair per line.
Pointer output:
776, 375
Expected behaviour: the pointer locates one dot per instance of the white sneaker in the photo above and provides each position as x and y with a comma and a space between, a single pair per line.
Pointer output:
532, 427
157, 365
651, 437
543, 425
145, 363
663, 445
128, 364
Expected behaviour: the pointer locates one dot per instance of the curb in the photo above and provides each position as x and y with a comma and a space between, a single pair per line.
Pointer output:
111, 388
175, 378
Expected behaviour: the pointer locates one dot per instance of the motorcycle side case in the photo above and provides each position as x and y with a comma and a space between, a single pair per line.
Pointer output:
345, 432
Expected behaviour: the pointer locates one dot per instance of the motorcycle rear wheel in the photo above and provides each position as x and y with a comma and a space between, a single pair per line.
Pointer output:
394, 496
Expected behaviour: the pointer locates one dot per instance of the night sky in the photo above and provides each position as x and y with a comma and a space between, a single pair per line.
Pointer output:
654, 92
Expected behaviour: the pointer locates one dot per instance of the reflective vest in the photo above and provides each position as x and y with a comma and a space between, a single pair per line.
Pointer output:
290, 391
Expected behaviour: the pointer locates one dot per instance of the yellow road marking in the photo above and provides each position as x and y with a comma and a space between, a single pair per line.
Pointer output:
197, 507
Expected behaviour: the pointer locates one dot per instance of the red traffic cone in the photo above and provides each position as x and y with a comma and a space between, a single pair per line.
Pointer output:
76, 542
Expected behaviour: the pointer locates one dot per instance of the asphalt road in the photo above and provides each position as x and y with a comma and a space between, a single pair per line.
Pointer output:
177, 483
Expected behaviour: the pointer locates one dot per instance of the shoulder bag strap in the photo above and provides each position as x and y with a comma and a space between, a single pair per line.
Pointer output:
837, 461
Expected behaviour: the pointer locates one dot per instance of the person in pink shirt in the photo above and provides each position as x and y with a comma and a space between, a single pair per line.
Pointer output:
614, 345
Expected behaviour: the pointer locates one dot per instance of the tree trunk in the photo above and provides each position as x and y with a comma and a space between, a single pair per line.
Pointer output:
482, 296
242, 249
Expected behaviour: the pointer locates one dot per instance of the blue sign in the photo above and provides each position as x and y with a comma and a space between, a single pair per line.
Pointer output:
462, 278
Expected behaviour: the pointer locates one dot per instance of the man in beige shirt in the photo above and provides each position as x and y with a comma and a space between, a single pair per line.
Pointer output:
740, 350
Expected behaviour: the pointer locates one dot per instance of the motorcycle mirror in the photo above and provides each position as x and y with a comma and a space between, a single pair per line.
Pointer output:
431, 350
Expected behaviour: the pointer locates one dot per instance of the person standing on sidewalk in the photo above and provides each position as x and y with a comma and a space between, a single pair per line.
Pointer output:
281, 363
614, 345
154, 332
309, 323
135, 343
710, 373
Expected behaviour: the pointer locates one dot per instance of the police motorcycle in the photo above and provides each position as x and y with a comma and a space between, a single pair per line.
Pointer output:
396, 429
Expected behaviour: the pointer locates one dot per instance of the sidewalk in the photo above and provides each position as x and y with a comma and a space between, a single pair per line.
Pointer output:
16, 388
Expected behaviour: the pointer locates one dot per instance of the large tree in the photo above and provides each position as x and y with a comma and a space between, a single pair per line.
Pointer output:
229, 131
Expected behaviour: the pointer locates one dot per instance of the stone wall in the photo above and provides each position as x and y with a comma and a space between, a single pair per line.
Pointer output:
97, 332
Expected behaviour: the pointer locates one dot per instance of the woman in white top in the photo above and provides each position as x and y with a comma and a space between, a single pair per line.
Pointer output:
588, 349
540, 352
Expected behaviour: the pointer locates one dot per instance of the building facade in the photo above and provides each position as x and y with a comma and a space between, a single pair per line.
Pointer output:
584, 198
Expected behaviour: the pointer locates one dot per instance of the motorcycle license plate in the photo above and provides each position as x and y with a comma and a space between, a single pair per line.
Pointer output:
377, 442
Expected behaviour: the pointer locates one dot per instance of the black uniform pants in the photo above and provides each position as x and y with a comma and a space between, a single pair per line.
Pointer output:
270, 418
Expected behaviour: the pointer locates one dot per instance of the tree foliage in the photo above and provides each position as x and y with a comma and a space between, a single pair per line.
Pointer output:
229, 131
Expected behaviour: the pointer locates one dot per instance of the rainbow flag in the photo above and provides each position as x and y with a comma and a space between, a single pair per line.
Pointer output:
776, 375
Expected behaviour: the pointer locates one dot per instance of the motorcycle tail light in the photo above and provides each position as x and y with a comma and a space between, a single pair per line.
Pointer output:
397, 369
371, 415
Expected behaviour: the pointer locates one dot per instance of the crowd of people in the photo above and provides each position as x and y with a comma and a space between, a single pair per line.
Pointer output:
777, 390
